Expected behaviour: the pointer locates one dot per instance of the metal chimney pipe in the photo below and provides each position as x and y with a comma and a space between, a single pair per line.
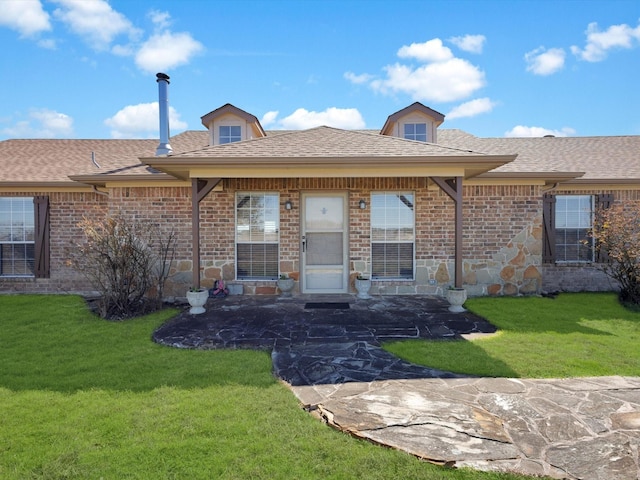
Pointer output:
163, 102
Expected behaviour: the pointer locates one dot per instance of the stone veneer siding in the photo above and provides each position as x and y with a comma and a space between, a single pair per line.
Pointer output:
502, 237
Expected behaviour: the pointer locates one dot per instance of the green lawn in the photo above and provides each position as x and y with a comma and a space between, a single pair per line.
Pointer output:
573, 335
84, 398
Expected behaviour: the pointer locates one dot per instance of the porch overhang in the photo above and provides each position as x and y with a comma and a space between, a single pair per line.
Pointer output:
466, 166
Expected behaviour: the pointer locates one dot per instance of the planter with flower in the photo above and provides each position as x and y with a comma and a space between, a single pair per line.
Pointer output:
285, 284
456, 297
363, 285
197, 298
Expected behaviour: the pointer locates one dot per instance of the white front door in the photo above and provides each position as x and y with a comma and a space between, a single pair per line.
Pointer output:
325, 243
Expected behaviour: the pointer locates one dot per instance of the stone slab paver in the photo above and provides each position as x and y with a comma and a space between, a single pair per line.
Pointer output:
533, 427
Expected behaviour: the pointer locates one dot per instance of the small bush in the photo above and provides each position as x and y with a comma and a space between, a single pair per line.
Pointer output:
616, 233
128, 262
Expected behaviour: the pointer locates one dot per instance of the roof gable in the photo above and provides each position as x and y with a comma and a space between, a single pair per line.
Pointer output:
416, 107
229, 109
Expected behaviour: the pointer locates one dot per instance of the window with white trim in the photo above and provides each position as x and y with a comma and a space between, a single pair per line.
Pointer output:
257, 236
17, 237
574, 219
229, 133
392, 235
415, 131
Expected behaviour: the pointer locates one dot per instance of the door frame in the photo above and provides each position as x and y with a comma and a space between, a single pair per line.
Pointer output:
345, 241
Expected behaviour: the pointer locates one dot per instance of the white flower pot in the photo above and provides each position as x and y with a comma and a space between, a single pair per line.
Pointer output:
456, 298
363, 286
197, 301
286, 286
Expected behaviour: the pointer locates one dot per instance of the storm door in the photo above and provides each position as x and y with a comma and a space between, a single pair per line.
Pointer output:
325, 243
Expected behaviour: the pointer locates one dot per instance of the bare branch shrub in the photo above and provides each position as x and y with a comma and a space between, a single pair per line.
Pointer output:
127, 262
163, 248
616, 233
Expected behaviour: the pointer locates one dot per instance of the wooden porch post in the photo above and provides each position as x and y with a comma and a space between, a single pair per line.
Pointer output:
453, 188
200, 188
195, 233
458, 237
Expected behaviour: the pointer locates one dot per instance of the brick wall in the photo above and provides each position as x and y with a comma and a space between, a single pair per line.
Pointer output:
583, 277
502, 235
169, 210
66, 210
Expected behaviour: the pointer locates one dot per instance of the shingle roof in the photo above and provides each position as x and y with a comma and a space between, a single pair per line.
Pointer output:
327, 142
600, 158
53, 160
36, 161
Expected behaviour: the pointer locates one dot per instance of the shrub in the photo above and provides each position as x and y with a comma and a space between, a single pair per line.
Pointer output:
616, 234
128, 262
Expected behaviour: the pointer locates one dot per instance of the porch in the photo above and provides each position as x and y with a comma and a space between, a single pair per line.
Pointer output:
324, 339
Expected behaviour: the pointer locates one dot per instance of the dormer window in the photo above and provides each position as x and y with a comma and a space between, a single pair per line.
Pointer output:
415, 122
229, 124
415, 131
230, 133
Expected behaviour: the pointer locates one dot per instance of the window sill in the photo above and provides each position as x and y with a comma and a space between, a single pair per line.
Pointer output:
574, 264
391, 279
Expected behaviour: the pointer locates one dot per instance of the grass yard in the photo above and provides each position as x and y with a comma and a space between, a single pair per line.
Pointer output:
84, 398
573, 335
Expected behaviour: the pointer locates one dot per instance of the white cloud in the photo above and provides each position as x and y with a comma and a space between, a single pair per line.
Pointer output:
358, 79
447, 81
347, 118
48, 44
123, 50
167, 50
269, 118
430, 51
599, 43
161, 20
42, 123
524, 131
545, 62
95, 21
469, 43
471, 108
100, 26
441, 77
25, 16
141, 121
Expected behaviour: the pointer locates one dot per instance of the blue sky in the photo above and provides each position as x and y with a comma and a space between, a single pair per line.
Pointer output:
86, 68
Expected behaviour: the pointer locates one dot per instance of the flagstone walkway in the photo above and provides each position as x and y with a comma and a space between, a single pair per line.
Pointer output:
332, 359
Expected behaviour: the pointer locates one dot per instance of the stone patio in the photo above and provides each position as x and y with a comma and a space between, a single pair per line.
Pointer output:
324, 346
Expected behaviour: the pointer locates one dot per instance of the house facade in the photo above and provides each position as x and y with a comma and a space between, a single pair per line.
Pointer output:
415, 207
